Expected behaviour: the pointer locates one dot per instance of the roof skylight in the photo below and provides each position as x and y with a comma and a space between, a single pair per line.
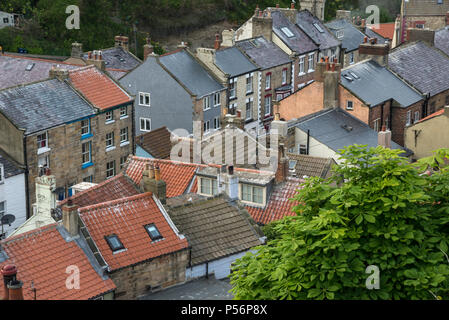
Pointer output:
318, 27
287, 32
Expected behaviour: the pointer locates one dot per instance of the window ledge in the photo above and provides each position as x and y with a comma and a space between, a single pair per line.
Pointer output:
311, 70
87, 165
110, 148
109, 122
217, 105
119, 251
144, 105
43, 150
249, 93
86, 136
124, 117
124, 144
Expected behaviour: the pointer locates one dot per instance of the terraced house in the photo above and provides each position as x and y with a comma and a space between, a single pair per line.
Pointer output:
77, 123
174, 90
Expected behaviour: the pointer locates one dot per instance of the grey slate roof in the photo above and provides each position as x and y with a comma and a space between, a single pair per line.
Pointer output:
215, 228
426, 68
326, 127
10, 168
300, 42
13, 70
442, 40
118, 58
352, 36
233, 62
377, 84
263, 52
42, 105
190, 73
306, 20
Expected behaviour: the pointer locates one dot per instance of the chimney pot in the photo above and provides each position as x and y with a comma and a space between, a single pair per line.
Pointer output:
217, 42
292, 6
9, 273
277, 5
15, 290
157, 173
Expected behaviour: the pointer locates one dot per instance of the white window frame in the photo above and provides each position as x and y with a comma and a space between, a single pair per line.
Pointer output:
249, 82
111, 139
123, 161
409, 118
250, 102
217, 124
302, 149
88, 152
109, 116
124, 115
146, 121
206, 126
2, 173
83, 127
232, 88
206, 103
143, 96
217, 99
416, 118
340, 34
39, 147
212, 186
251, 194
110, 168
347, 105
302, 65
284, 76
311, 62
351, 58
376, 125
124, 135
268, 81
269, 105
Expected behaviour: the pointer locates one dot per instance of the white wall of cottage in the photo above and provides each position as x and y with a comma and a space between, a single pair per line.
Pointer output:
13, 192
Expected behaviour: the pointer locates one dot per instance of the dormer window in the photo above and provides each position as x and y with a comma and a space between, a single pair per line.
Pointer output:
114, 243
208, 186
340, 34
153, 232
252, 194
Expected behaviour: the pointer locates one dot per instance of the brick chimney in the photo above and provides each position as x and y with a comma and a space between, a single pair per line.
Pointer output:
70, 218
217, 42
152, 182
425, 35
319, 69
230, 182
9, 273
148, 49
331, 88
262, 25
372, 50
282, 169
77, 50
122, 42
58, 73
96, 58
15, 290
384, 138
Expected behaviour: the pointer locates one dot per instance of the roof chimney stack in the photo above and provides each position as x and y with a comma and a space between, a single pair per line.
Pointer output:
152, 182
384, 138
96, 59
58, 73
77, 50
372, 50
122, 42
230, 183
15, 290
70, 218
217, 42
9, 273
148, 49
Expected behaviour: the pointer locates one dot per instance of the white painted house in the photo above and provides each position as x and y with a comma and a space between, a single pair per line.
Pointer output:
12, 195
7, 19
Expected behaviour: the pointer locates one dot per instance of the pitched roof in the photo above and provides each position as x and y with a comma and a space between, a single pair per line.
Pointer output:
156, 142
298, 41
98, 88
112, 189
177, 175
372, 33
376, 84
127, 218
311, 25
426, 7
337, 129
184, 67
433, 115
263, 52
311, 166
386, 30
442, 40
215, 228
426, 68
233, 62
352, 36
10, 168
42, 257
118, 58
42, 105
279, 204
14, 69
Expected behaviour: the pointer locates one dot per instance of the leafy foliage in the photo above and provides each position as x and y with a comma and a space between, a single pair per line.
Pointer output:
376, 210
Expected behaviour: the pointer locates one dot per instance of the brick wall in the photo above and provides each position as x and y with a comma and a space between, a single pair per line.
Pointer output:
161, 272
399, 119
431, 22
438, 100
305, 77
360, 110
276, 82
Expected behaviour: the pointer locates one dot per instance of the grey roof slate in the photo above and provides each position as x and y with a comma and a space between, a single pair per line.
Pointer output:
10, 169
264, 53
352, 36
215, 228
13, 70
190, 73
118, 58
426, 68
377, 84
299, 42
306, 20
233, 62
42, 105
442, 39
326, 126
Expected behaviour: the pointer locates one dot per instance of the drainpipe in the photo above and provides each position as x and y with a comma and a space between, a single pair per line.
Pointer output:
308, 141
27, 172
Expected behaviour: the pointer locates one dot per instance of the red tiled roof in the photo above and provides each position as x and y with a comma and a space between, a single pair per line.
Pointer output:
386, 30
42, 256
177, 175
126, 218
98, 88
433, 115
115, 188
279, 205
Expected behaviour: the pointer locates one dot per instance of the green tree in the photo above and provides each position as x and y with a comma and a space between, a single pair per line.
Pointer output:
376, 210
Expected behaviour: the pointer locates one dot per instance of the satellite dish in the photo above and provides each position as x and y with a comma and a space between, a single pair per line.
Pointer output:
8, 219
